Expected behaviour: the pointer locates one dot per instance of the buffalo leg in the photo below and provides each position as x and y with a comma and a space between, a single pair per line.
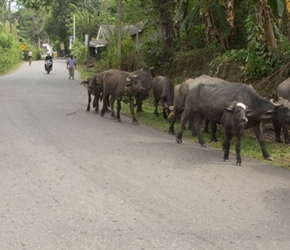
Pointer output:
260, 138
105, 103
89, 102
172, 120
226, 145
184, 118
213, 131
206, 123
197, 123
277, 129
134, 120
163, 108
156, 100
191, 126
96, 101
285, 128
118, 118
112, 101
238, 150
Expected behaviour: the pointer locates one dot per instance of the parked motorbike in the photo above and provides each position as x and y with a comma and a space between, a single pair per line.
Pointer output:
48, 66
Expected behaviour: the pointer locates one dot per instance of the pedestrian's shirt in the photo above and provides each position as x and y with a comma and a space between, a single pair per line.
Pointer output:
71, 62
29, 53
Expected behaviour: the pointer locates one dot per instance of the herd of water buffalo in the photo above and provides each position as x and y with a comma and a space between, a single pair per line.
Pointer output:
236, 106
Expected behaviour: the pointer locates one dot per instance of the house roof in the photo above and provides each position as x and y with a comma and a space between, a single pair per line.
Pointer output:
106, 30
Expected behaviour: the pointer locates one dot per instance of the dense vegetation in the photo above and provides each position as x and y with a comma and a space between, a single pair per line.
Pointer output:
237, 40
245, 41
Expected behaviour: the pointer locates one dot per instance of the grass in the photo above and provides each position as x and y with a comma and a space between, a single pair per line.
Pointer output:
10, 70
250, 146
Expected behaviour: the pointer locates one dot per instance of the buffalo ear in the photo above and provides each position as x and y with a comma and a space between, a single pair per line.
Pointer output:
250, 112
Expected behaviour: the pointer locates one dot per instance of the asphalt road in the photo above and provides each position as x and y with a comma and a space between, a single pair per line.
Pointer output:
70, 179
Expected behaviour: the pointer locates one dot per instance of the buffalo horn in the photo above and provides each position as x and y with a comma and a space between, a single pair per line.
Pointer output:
275, 104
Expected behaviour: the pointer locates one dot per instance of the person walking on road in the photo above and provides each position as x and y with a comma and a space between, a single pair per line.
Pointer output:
71, 66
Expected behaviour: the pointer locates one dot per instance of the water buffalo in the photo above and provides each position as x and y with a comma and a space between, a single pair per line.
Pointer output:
282, 91
120, 85
233, 121
146, 79
180, 91
163, 90
94, 87
206, 98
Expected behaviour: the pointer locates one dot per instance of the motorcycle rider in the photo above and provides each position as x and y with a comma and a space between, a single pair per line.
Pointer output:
49, 58
30, 56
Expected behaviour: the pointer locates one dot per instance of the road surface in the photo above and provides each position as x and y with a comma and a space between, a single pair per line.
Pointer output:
71, 179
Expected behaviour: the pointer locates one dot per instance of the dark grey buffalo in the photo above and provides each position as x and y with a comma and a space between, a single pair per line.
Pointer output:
95, 88
208, 96
283, 97
233, 121
120, 86
180, 92
146, 79
163, 91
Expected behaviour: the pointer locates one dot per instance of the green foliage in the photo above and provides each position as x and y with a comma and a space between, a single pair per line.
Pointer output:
79, 51
129, 59
153, 53
10, 52
257, 59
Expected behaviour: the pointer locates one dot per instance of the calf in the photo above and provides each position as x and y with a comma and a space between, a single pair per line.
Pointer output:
233, 120
94, 87
163, 90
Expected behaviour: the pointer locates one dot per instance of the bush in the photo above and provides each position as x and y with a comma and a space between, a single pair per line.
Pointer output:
79, 51
10, 52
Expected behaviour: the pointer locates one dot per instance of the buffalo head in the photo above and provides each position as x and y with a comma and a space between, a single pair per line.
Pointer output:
134, 82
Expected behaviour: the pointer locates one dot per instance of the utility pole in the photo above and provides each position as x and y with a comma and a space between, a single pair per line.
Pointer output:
74, 27
119, 34
89, 33
10, 18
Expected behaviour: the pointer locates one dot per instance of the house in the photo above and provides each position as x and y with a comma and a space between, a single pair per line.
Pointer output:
106, 31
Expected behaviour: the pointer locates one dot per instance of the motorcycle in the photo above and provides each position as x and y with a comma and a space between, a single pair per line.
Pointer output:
48, 66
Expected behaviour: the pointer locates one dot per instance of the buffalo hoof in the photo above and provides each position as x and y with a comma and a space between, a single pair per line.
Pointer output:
87, 110
171, 132
225, 160
269, 158
179, 141
102, 114
204, 145
239, 164
135, 123
118, 120
96, 111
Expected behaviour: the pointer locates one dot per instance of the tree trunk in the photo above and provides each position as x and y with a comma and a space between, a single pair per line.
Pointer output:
268, 27
166, 23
